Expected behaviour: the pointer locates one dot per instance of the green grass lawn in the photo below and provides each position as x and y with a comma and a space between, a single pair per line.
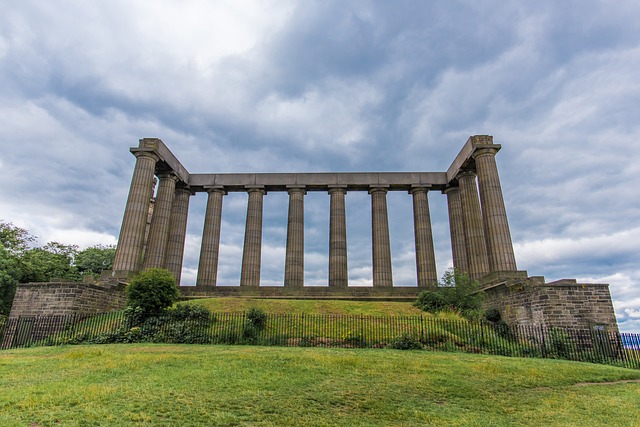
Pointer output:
243, 385
290, 306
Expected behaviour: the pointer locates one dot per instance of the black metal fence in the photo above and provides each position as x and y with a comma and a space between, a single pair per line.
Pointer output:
346, 331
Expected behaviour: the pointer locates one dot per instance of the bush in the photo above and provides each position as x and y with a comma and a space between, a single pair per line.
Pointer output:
256, 322
492, 315
152, 290
455, 291
406, 341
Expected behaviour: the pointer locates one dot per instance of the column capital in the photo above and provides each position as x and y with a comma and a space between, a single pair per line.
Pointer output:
145, 152
486, 150
168, 175
297, 189
378, 188
255, 189
466, 173
215, 189
337, 188
419, 188
450, 188
181, 187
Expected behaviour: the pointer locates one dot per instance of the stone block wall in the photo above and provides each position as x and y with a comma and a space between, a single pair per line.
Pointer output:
60, 298
564, 303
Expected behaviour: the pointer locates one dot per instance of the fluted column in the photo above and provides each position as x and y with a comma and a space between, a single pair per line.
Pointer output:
250, 275
425, 252
210, 247
494, 214
294, 260
178, 231
159, 229
338, 270
473, 226
131, 240
456, 228
382, 272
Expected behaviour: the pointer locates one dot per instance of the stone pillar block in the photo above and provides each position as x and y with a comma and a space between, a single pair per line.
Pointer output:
210, 246
473, 225
425, 253
159, 230
131, 240
456, 228
294, 261
338, 269
178, 231
382, 271
251, 257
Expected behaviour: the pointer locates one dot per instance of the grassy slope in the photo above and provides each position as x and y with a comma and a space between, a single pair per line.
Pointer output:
227, 385
377, 308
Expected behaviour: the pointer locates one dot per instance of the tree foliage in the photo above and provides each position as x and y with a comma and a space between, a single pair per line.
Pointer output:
95, 259
455, 291
152, 291
22, 263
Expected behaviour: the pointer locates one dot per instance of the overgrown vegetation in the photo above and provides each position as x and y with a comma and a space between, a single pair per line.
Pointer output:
152, 291
227, 385
21, 262
455, 292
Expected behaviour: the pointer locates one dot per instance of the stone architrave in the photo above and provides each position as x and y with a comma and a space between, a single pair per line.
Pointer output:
425, 253
251, 257
131, 240
381, 247
210, 247
338, 269
473, 225
494, 214
294, 260
178, 231
159, 230
456, 229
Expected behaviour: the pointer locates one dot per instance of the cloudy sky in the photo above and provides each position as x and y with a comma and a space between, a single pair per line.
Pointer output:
278, 86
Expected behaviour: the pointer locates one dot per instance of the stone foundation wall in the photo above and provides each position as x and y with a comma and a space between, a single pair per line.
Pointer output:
60, 298
564, 303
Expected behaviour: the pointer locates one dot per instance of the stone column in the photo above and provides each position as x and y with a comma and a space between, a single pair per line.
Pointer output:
494, 214
338, 270
425, 253
294, 260
178, 231
473, 226
250, 275
159, 229
382, 274
456, 227
210, 247
131, 241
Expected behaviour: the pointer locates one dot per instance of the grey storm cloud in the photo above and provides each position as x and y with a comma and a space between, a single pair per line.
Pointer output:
268, 86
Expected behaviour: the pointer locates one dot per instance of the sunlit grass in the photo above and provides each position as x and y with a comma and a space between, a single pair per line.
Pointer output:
229, 385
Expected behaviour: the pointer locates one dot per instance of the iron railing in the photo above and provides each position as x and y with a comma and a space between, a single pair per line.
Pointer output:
346, 331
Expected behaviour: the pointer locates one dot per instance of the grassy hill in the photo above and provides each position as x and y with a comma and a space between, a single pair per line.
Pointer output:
334, 307
244, 385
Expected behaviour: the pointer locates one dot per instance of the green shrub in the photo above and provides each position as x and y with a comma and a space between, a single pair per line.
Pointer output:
406, 341
255, 323
455, 291
152, 290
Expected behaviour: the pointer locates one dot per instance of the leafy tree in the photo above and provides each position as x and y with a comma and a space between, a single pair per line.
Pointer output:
52, 261
14, 242
152, 291
455, 291
95, 259
8, 280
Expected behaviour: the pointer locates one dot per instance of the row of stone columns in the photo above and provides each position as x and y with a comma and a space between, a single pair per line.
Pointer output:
167, 231
294, 258
480, 238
